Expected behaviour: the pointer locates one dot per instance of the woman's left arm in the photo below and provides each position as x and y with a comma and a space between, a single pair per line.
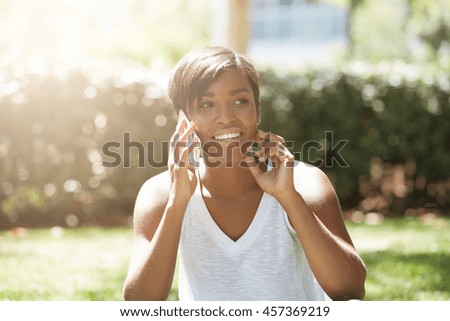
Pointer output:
313, 209
321, 230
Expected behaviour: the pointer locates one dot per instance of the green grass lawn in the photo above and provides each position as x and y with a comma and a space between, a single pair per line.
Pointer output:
406, 260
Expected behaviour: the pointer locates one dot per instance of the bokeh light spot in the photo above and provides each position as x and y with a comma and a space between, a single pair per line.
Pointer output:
90, 92
94, 182
118, 99
49, 189
71, 220
100, 121
8, 188
72, 186
160, 120
131, 99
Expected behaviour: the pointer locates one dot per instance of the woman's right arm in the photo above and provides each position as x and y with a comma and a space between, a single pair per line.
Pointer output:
158, 217
157, 228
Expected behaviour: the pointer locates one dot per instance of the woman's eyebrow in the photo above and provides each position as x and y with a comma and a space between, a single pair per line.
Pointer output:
238, 91
231, 92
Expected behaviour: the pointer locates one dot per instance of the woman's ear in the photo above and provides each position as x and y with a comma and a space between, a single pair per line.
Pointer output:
258, 111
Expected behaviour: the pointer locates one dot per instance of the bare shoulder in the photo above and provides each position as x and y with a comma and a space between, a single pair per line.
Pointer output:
313, 184
150, 204
319, 195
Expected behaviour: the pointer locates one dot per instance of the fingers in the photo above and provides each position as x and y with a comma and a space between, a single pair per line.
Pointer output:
253, 163
184, 145
182, 127
273, 147
268, 136
271, 150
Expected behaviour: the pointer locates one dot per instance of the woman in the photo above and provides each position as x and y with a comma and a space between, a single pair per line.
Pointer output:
248, 222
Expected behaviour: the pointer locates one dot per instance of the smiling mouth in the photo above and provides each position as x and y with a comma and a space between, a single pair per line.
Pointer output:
228, 136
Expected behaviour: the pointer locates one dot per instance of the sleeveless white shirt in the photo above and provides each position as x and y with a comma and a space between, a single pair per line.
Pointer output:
266, 263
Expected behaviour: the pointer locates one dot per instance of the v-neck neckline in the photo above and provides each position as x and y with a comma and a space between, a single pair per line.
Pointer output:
225, 241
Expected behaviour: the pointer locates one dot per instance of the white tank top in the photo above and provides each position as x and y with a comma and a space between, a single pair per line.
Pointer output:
266, 263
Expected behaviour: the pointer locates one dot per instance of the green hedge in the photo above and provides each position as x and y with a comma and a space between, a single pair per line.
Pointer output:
395, 118
52, 134
53, 128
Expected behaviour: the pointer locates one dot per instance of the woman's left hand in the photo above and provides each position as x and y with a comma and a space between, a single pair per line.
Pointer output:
279, 179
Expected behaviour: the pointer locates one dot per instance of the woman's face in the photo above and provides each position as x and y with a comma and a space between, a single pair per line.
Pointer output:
226, 115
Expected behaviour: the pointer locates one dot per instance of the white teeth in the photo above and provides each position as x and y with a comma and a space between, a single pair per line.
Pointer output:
227, 136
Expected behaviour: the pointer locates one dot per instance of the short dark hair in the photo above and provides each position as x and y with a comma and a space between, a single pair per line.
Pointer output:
195, 71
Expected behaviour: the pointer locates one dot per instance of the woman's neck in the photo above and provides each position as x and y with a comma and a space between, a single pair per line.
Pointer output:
228, 182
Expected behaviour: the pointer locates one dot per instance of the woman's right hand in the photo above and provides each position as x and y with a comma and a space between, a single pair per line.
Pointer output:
158, 217
182, 172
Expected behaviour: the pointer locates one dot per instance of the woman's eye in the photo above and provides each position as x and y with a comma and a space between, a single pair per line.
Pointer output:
205, 104
240, 101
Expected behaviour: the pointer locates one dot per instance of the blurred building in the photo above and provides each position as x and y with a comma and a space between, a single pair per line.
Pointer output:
285, 33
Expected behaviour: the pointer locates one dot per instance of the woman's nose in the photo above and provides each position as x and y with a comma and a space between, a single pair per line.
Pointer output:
225, 114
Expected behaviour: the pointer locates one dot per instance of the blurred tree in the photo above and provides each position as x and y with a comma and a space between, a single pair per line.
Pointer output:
70, 31
430, 20
169, 29
378, 30
397, 29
